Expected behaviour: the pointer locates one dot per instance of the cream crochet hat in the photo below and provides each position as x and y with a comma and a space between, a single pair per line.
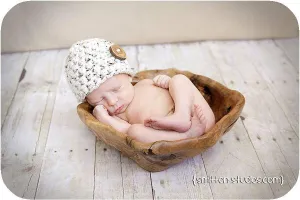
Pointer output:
90, 63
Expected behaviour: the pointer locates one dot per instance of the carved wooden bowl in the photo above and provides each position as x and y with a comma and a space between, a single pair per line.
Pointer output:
157, 156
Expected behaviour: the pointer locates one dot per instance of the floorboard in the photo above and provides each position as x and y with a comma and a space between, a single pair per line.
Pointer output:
291, 48
268, 130
26, 126
47, 152
12, 66
68, 163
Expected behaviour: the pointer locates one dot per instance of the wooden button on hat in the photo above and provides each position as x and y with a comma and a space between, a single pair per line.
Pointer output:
117, 52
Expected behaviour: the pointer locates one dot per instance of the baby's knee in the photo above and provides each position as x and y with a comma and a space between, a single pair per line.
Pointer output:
180, 78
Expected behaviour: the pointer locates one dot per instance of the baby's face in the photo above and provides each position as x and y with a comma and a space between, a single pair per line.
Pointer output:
115, 94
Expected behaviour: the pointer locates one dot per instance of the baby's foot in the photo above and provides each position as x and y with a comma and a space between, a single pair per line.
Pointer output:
173, 122
198, 123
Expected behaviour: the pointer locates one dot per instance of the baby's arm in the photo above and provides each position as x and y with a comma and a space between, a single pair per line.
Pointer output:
148, 135
162, 81
136, 131
102, 115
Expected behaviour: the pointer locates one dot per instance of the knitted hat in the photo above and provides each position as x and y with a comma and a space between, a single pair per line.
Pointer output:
90, 63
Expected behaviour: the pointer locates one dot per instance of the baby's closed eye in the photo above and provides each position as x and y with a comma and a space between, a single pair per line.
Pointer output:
117, 88
98, 102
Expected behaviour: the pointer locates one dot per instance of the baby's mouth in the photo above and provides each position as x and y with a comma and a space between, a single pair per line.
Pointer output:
119, 109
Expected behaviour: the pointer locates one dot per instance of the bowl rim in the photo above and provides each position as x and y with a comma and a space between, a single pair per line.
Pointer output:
163, 147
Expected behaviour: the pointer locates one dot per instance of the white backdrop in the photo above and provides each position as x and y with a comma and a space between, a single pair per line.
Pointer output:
52, 25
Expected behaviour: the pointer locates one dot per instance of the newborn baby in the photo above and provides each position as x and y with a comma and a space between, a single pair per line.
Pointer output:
164, 108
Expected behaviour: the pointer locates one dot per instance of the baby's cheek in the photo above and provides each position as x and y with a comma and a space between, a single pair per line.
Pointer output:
126, 98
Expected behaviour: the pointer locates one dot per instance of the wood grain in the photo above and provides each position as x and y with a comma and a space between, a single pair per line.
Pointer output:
116, 176
290, 47
264, 119
25, 131
263, 142
70, 151
224, 159
12, 66
225, 103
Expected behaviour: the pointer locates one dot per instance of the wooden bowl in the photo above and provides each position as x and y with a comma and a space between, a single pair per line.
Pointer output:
157, 156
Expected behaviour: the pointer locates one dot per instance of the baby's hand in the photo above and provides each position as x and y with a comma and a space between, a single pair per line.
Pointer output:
101, 113
162, 81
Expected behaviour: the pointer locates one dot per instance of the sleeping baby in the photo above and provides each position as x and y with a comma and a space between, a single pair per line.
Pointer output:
163, 108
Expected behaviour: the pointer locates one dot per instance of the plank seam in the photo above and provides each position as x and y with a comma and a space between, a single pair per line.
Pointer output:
285, 161
50, 121
260, 72
37, 185
210, 52
138, 66
207, 175
122, 174
95, 160
41, 125
27, 186
266, 83
44, 146
55, 85
281, 171
286, 55
212, 56
13, 136
14, 93
153, 191
257, 156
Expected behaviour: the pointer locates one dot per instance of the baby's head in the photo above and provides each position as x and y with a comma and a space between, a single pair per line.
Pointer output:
115, 94
98, 72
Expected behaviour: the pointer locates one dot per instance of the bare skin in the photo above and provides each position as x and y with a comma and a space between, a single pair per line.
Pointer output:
139, 110
180, 120
148, 135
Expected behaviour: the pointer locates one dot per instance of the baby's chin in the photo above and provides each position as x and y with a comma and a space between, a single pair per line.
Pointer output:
123, 109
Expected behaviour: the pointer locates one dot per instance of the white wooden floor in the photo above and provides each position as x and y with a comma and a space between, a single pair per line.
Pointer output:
47, 152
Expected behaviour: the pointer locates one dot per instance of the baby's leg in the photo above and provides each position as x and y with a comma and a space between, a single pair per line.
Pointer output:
147, 135
182, 91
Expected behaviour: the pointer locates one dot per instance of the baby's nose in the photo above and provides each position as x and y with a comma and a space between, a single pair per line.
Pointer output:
112, 101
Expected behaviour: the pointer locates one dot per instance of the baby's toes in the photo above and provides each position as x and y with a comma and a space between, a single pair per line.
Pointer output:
199, 111
149, 122
167, 84
203, 119
194, 110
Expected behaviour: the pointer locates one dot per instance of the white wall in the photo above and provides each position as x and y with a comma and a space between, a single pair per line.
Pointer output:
48, 25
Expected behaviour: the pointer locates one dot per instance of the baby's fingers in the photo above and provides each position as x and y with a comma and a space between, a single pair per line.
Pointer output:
166, 84
157, 79
160, 80
99, 109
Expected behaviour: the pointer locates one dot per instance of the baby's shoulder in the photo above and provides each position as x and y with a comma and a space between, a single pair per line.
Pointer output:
145, 82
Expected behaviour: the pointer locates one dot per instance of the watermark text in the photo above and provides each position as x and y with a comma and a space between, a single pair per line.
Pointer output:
237, 180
